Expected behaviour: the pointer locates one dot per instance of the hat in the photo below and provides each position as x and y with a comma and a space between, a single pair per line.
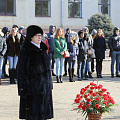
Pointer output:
33, 30
94, 31
14, 26
21, 27
67, 29
5, 30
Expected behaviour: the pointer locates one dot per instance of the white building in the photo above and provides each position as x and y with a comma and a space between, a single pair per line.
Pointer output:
62, 13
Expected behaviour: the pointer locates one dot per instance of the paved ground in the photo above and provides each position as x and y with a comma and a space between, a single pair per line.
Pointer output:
63, 97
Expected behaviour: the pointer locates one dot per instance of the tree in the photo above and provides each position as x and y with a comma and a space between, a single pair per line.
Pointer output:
99, 21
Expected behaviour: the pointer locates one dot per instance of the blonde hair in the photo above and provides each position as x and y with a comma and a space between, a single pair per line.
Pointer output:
74, 38
101, 33
1, 33
57, 34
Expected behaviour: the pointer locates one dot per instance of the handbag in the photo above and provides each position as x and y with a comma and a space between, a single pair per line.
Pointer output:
66, 53
91, 52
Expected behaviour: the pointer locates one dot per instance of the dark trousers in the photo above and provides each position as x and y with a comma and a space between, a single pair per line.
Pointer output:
92, 64
65, 65
52, 61
99, 66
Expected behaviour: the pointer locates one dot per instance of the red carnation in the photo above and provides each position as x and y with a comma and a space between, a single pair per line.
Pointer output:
94, 94
85, 96
104, 90
105, 95
76, 100
105, 98
108, 93
100, 86
105, 103
96, 87
91, 92
88, 105
82, 91
97, 98
79, 106
100, 94
91, 83
92, 87
96, 106
83, 108
88, 100
112, 101
78, 95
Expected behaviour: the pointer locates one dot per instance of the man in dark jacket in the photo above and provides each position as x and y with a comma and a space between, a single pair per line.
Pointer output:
68, 30
82, 55
50, 41
114, 45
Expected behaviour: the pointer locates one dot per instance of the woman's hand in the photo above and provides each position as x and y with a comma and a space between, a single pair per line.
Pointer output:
62, 53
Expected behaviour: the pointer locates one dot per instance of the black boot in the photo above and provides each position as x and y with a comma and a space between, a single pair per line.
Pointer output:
100, 69
65, 74
11, 75
57, 79
53, 74
97, 69
61, 79
73, 75
70, 75
90, 75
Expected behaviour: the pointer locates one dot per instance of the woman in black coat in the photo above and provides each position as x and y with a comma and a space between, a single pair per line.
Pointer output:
100, 47
34, 78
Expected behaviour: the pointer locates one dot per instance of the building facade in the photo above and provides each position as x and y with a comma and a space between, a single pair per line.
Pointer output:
62, 13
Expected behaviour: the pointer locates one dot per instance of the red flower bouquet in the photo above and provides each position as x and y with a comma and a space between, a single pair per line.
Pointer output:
93, 99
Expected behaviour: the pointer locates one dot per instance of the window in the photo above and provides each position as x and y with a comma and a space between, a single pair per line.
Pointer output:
104, 6
43, 8
7, 7
75, 8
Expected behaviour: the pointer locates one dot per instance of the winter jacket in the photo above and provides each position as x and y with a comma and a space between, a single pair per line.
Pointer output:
34, 83
13, 48
99, 46
58, 48
83, 49
3, 46
114, 42
50, 39
73, 50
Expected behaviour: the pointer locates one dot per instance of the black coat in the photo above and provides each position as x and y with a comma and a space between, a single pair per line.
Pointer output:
34, 83
13, 48
100, 47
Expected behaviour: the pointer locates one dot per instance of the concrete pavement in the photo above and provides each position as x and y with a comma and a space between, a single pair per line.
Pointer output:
63, 97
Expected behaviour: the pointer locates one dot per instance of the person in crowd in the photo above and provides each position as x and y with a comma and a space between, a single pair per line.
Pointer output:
100, 47
3, 48
34, 78
73, 50
68, 31
21, 36
6, 32
15, 27
44, 39
59, 46
13, 48
82, 55
89, 40
94, 32
50, 35
114, 45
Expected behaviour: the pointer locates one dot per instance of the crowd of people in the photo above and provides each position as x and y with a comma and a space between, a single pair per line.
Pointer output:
83, 48
32, 54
